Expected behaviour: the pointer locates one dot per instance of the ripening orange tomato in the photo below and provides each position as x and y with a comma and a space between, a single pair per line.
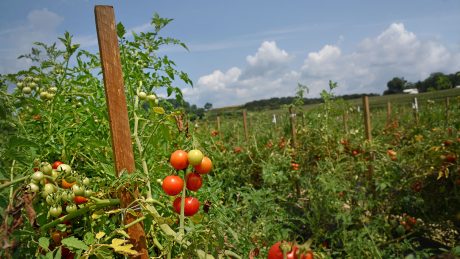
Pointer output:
179, 159
205, 166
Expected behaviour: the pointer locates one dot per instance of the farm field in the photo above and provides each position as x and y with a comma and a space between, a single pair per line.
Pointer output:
320, 184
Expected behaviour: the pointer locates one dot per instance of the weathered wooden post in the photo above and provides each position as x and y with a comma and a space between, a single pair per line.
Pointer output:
118, 117
388, 114
293, 129
345, 121
367, 118
245, 125
447, 111
218, 124
368, 129
415, 110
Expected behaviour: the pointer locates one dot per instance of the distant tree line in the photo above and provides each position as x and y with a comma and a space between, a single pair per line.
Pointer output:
191, 109
277, 102
436, 81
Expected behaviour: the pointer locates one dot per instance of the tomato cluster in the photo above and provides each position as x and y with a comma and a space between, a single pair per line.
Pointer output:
174, 185
292, 251
60, 187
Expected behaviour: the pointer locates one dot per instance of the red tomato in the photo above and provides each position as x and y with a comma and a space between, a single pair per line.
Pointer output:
179, 159
80, 200
308, 255
56, 164
391, 152
276, 253
192, 205
172, 185
66, 185
205, 166
194, 181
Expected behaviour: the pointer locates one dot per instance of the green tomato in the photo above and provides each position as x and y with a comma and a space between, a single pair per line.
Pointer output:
86, 181
55, 211
78, 190
54, 174
195, 157
49, 189
33, 187
64, 168
71, 208
49, 199
43, 94
151, 97
88, 193
37, 176
142, 95
26, 90
46, 168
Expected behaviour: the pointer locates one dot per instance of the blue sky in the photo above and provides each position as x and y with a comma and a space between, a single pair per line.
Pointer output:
244, 50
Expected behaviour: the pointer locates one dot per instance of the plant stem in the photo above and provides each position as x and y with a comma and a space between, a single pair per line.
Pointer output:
97, 205
139, 146
11, 180
182, 209
20, 179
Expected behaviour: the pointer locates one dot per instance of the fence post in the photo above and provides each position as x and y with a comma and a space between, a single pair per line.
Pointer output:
118, 117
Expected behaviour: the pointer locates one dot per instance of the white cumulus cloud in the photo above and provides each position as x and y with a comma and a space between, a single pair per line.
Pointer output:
375, 60
367, 68
266, 75
40, 25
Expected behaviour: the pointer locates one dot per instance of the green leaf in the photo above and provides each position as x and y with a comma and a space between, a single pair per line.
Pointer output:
121, 31
89, 238
49, 255
72, 242
58, 254
44, 243
103, 253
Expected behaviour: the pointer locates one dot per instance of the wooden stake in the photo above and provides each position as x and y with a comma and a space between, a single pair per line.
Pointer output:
447, 111
415, 109
367, 126
388, 113
345, 121
367, 118
293, 129
118, 115
245, 124
218, 124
